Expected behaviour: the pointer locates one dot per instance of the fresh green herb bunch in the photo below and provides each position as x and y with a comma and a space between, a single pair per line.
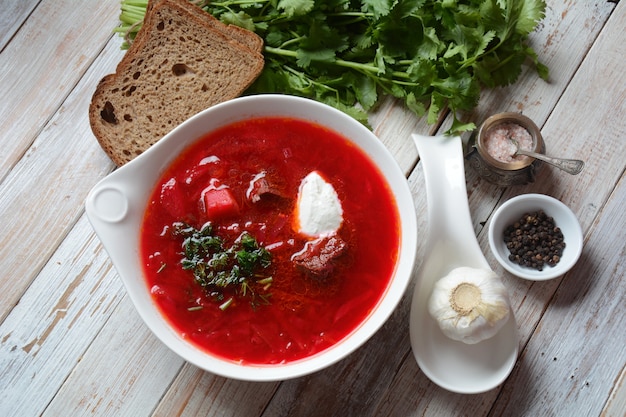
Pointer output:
217, 268
432, 54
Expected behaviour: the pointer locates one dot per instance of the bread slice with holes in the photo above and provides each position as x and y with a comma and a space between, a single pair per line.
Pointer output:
182, 61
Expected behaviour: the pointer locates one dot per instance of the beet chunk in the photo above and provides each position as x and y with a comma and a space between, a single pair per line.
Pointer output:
317, 259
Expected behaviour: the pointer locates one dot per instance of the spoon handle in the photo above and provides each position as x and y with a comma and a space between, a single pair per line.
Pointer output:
571, 166
448, 207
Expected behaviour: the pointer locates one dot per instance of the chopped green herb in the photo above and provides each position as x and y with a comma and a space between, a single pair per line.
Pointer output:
433, 55
239, 268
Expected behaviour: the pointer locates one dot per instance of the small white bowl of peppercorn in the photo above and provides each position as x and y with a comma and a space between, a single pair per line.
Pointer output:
535, 237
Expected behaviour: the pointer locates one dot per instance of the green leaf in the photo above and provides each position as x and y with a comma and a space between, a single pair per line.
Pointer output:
296, 7
437, 102
216, 268
459, 126
431, 46
355, 112
456, 49
401, 36
275, 38
238, 19
508, 70
366, 94
414, 105
377, 7
529, 14
542, 70
493, 18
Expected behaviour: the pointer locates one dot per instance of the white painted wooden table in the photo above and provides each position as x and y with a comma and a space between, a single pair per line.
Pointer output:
72, 344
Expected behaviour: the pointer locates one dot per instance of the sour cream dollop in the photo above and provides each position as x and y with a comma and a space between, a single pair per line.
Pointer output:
318, 209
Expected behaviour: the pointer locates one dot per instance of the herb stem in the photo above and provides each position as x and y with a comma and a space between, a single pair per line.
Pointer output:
366, 68
287, 43
226, 304
229, 3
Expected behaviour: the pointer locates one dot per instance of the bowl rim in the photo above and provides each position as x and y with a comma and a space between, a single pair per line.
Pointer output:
564, 218
144, 170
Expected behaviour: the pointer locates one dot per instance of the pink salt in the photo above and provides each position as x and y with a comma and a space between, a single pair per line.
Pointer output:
498, 145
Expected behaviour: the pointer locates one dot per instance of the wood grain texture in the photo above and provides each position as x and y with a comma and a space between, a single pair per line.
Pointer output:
617, 402
79, 294
43, 63
569, 365
71, 342
42, 196
14, 14
125, 371
218, 396
586, 308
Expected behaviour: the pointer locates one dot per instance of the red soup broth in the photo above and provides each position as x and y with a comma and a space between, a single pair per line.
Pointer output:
304, 315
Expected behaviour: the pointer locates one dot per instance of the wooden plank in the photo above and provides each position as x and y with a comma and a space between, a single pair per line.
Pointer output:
222, 397
592, 294
575, 358
13, 15
56, 320
34, 81
393, 123
125, 371
617, 402
43, 196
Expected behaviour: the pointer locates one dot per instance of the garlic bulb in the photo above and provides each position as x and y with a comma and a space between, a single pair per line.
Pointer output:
470, 305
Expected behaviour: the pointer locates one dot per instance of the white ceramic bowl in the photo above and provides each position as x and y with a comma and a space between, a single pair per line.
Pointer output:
116, 206
564, 218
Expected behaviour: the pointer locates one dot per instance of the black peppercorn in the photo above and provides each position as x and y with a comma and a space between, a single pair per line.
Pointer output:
534, 240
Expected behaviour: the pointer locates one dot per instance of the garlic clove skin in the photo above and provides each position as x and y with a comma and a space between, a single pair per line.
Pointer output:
469, 304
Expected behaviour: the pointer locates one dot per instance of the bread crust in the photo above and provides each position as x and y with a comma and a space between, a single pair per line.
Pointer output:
182, 61
244, 36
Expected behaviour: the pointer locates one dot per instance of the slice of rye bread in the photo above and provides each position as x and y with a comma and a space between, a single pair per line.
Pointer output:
178, 65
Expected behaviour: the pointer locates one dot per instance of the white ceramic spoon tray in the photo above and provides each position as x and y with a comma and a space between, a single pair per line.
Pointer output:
455, 366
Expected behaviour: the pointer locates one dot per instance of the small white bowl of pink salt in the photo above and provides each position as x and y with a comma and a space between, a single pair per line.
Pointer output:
535, 237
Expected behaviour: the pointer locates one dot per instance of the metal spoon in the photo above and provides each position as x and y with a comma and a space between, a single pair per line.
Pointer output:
571, 166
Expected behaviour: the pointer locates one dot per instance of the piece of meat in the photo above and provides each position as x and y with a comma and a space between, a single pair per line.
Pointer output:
262, 186
317, 258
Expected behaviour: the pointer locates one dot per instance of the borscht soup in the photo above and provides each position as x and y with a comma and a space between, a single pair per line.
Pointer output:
269, 240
